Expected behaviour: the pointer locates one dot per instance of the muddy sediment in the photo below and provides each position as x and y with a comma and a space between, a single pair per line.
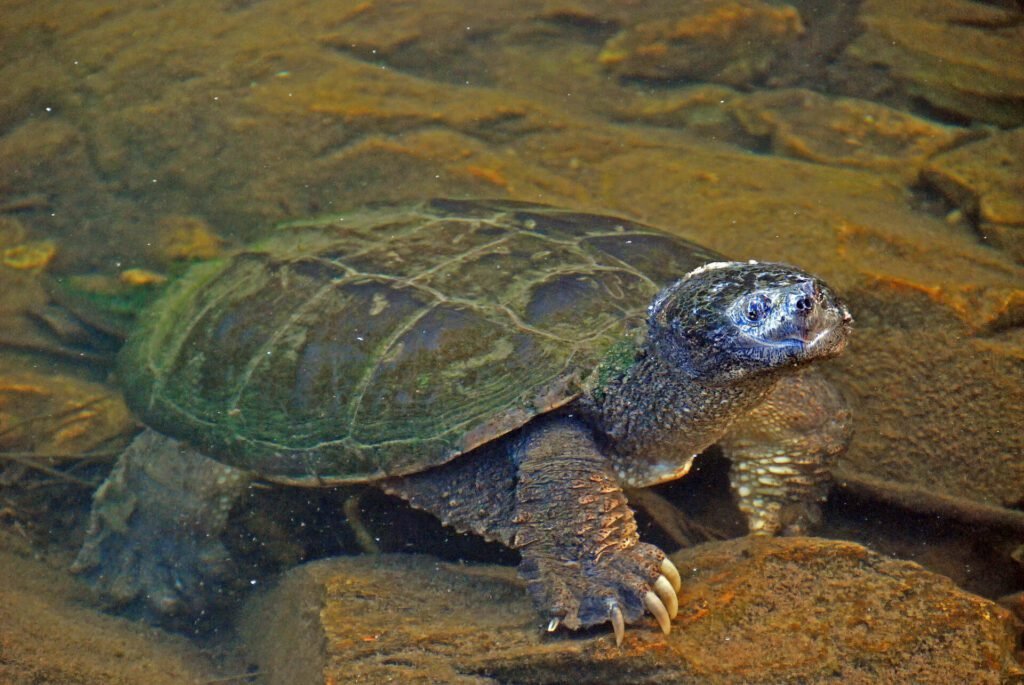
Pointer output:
50, 633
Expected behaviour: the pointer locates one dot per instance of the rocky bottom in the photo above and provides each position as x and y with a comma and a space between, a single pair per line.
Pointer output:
752, 610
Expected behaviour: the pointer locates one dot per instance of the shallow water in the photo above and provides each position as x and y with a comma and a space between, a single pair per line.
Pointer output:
877, 146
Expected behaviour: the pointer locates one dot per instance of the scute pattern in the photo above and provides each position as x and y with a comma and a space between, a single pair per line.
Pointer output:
392, 339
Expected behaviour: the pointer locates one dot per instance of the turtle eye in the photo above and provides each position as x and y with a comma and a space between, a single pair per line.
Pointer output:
756, 308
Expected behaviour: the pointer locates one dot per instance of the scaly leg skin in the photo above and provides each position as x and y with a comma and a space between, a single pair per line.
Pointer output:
153, 545
583, 561
551, 495
782, 453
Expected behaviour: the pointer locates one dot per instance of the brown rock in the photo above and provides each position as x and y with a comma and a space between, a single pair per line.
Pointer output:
701, 107
751, 611
29, 256
188, 237
52, 429
929, 391
986, 180
46, 174
838, 613
80, 319
961, 58
800, 124
842, 131
59, 415
24, 300
730, 42
427, 37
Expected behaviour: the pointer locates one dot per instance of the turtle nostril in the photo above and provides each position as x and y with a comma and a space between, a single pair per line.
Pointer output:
804, 303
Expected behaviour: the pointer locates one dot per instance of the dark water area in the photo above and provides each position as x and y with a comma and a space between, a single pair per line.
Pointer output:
877, 145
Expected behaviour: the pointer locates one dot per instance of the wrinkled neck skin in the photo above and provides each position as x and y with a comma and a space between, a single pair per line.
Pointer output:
657, 417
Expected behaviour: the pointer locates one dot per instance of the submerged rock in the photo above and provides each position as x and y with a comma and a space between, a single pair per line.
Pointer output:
751, 611
57, 417
961, 59
843, 131
734, 43
986, 180
801, 124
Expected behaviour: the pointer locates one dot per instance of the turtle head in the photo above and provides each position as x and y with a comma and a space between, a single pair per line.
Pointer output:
727, 321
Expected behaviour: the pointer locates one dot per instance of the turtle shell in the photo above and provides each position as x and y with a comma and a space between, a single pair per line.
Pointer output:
393, 339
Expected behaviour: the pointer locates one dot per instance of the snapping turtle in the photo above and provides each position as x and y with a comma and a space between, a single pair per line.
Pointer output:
507, 367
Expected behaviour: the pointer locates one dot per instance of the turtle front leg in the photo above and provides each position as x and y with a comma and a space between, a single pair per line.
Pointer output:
783, 451
583, 561
153, 545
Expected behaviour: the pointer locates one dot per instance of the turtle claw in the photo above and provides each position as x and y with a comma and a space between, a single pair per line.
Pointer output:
669, 570
618, 625
667, 594
618, 589
657, 608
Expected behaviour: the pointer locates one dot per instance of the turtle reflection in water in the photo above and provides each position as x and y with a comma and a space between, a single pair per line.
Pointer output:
506, 367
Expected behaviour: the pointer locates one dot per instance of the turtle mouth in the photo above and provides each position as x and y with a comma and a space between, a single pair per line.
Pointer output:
825, 333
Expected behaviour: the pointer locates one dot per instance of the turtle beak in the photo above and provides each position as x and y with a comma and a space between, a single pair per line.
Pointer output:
824, 320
